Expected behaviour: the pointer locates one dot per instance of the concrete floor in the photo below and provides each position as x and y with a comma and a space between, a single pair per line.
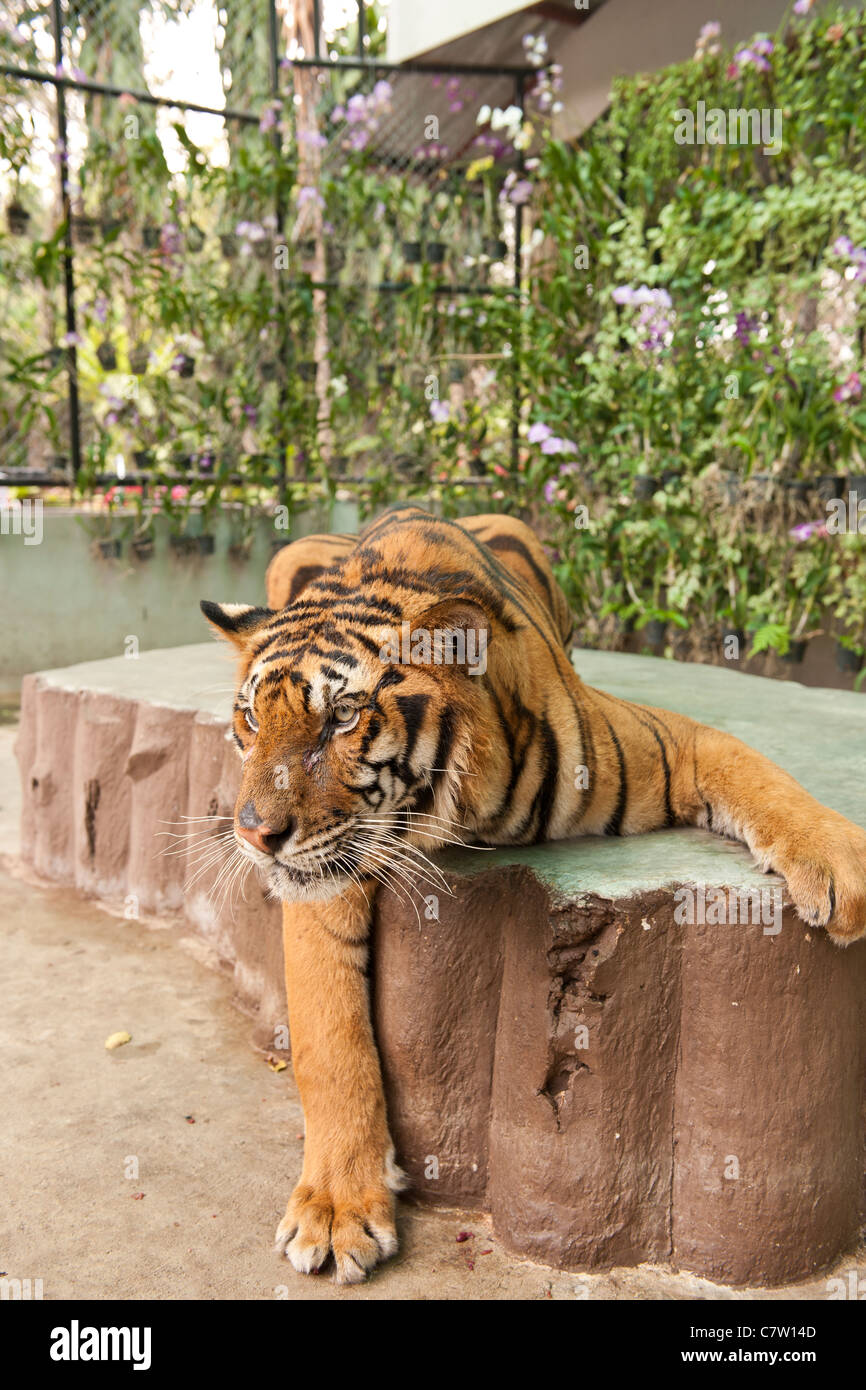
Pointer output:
160, 1170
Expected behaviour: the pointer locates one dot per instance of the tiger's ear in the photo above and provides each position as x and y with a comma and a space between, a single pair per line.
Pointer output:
455, 632
236, 621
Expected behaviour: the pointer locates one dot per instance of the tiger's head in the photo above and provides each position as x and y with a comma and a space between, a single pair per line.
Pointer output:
355, 726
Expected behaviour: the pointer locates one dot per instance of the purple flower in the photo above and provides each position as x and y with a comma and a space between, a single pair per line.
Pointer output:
550, 490
745, 328
552, 445
440, 412
538, 432
803, 6
310, 195
850, 390
520, 192
808, 529
251, 413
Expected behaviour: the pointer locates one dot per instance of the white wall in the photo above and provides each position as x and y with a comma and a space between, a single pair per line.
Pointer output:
415, 26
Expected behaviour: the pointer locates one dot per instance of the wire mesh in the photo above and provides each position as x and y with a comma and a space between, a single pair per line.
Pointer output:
294, 285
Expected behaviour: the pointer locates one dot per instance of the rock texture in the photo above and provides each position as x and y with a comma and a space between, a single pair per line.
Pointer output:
614, 1086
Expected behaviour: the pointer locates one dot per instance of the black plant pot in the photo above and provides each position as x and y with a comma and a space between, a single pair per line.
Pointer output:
111, 228
412, 252
184, 365
142, 460
142, 548
436, 252
138, 360
495, 248
84, 230
109, 550
645, 487
847, 660
857, 485
229, 245
456, 371
184, 545
385, 373
654, 633
17, 219
307, 371
737, 632
205, 545
150, 236
194, 238
261, 249
107, 356
795, 653
268, 370
830, 486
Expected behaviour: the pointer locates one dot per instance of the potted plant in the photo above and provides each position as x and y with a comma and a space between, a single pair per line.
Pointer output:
83, 229
229, 245
107, 355
184, 365
17, 218
139, 359
151, 236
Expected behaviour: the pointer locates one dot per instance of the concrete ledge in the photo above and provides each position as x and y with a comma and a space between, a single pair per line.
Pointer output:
613, 1085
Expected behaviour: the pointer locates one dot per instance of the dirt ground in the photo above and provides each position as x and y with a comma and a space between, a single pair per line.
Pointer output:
160, 1170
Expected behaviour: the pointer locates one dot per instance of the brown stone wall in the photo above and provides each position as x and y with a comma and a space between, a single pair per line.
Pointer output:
611, 1086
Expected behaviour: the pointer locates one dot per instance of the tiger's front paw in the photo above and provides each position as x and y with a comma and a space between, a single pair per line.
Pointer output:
353, 1224
825, 868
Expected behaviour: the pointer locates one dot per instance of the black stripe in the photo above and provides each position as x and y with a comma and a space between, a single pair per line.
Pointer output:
614, 825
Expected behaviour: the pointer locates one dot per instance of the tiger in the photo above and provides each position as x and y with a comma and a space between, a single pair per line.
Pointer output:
361, 752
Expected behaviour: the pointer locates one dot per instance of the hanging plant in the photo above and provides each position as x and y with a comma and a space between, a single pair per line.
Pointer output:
194, 238
495, 248
436, 252
150, 236
17, 219
107, 355
139, 357
412, 252
229, 245
83, 230
184, 365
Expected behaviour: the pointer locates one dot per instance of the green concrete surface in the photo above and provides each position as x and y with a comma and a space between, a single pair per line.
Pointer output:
817, 735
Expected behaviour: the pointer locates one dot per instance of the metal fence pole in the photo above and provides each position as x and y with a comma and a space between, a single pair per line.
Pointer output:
519, 99
279, 210
68, 264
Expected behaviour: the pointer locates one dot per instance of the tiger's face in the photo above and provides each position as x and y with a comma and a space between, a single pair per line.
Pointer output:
350, 755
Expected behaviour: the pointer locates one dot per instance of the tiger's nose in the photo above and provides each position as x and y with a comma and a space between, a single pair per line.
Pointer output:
263, 837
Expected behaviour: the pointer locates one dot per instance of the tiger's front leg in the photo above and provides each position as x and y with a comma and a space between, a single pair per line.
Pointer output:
730, 788
343, 1204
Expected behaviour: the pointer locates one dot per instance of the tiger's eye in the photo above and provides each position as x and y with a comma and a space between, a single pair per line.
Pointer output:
251, 722
344, 712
